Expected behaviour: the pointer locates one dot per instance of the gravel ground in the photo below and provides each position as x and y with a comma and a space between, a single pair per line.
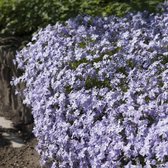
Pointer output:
23, 157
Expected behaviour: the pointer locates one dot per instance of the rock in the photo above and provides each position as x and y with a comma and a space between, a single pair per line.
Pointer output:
11, 106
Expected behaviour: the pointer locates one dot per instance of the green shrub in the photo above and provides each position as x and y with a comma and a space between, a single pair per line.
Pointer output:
23, 17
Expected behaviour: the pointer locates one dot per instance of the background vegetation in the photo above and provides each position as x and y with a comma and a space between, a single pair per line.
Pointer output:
23, 17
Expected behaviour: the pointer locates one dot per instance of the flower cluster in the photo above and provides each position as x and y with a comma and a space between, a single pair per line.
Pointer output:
98, 88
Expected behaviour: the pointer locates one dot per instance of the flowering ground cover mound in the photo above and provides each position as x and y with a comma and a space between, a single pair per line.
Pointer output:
98, 88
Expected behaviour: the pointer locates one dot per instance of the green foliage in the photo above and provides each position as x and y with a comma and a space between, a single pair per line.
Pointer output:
23, 17
117, 7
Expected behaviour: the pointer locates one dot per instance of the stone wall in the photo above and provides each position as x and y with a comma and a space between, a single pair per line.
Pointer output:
11, 105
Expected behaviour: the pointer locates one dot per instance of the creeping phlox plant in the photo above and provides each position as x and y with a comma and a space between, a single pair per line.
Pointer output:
98, 88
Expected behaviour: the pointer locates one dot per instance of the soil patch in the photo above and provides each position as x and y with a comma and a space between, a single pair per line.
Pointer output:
24, 157
18, 157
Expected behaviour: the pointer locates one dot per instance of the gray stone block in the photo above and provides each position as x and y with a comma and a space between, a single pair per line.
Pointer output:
11, 105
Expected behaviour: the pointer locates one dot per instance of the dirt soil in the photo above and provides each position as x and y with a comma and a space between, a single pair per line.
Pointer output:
23, 157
